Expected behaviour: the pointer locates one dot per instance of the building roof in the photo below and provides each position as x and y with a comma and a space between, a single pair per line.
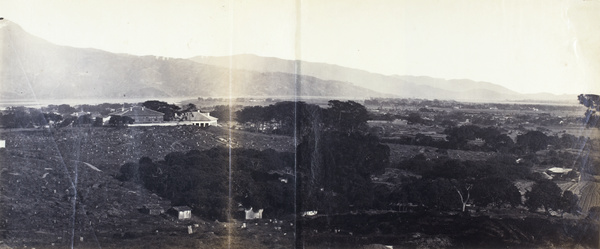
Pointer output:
199, 116
557, 170
137, 111
182, 208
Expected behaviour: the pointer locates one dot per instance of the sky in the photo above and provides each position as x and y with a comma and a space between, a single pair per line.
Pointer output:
527, 46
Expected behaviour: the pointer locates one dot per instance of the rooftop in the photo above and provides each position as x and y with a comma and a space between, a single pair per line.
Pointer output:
137, 111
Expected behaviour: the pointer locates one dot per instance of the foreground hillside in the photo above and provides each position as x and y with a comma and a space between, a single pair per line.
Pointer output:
58, 189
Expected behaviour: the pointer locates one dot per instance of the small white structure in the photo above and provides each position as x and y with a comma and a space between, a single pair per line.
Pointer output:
251, 215
309, 213
182, 212
2, 143
556, 171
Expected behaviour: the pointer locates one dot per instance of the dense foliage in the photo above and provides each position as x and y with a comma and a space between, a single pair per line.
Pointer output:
168, 109
337, 167
200, 179
300, 118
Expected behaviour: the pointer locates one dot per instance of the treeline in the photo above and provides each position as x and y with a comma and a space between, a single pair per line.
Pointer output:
22, 117
300, 118
396, 103
447, 184
473, 137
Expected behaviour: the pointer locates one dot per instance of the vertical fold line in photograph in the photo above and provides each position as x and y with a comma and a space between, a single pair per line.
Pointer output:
297, 91
229, 197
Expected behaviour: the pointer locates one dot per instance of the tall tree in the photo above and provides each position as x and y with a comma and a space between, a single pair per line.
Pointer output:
337, 166
495, 191
346, 116
592, 103
544, 194
533, 141
168, 109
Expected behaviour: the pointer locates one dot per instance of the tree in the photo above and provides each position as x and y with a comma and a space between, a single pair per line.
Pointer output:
190, 107
118, 121
338, 166
544, 194
222, 112
252, 114
66, 109
459, 136
569, 203
464, 193
414, 118
130, 172
439, 193
168, 109
592, 103
495, 191
83, 120
533, 141
346, 116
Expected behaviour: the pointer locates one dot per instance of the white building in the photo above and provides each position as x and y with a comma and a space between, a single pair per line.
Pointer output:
197, 118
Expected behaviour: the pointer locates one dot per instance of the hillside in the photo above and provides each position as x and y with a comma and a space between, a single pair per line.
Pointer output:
31, 68
59, 190
402, 86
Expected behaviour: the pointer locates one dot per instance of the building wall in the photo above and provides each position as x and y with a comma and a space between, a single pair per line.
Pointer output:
147, 119
185, 215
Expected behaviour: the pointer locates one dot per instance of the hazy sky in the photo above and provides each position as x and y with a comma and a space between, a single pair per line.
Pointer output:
527, 46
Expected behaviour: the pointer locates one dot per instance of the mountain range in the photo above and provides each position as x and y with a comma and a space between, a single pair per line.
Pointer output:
33, 69
399, 86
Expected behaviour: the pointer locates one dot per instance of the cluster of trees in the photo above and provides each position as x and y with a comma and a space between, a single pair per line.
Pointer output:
22, 117
459, 137
200, 180
447, 184
103, 109
547, 195
168, 109
492, 138
335, 168
301, 118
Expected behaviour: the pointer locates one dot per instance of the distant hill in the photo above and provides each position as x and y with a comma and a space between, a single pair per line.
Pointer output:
32, 68
401, 86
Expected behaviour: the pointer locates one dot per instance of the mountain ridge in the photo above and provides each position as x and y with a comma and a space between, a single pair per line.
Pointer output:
33, 68
405, 86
